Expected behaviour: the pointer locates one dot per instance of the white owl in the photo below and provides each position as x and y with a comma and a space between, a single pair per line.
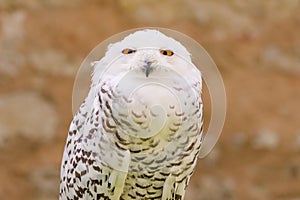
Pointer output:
138, 133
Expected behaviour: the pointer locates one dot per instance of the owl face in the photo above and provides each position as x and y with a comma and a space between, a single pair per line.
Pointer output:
148, 53
148, 60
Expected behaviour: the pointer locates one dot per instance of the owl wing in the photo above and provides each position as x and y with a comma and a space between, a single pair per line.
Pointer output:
93, 165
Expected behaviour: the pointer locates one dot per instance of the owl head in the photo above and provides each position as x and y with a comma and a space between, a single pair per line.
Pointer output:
148, 53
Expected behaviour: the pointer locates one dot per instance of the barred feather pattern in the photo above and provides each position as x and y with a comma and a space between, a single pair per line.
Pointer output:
104, 157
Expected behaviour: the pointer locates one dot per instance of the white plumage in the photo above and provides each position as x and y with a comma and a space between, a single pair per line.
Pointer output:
138, 133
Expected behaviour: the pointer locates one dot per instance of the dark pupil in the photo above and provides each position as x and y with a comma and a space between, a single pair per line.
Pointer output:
165, 53
130, 51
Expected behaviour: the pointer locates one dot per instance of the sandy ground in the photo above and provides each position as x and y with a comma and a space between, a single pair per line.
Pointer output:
258, 154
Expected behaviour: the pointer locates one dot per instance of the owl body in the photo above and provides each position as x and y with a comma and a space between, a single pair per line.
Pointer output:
138, 133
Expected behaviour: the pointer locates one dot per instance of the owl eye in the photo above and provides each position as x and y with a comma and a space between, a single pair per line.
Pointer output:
166, 52
128, 51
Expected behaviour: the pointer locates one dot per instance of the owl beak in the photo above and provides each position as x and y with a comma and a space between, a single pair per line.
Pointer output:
147, 67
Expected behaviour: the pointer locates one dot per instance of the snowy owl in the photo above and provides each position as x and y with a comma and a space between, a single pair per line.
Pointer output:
138, 133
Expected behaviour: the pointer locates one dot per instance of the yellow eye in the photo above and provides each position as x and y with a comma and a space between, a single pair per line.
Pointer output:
166, 52
128, 51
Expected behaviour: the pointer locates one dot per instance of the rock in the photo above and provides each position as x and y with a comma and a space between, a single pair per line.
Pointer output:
212, 158
273, 57
52, 62
239, 140
297, 141
27, 115
46, 181
12, 27
267, 9
35, 4
266, 139
292, 169
11, 37
10, 62
154, 11
212, 188
221, 16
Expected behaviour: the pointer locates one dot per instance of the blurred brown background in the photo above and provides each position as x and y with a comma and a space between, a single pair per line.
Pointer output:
255, 44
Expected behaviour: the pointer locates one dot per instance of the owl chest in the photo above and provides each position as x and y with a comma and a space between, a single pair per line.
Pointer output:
148, 172
162, 153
